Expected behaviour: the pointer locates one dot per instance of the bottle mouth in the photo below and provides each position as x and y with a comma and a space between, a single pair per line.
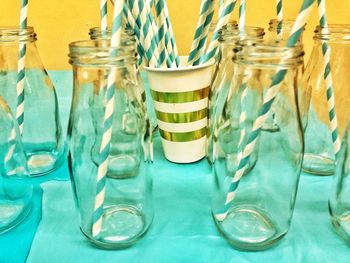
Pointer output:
334, 32
286, 24
92, 53
96, 33
269, 55
15, 34
232, 34
229, 26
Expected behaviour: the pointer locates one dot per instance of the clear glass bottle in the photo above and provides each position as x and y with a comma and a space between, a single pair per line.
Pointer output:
339, 202
222, 79
42, 136
127, 206
319, 155
261, 211
15, 189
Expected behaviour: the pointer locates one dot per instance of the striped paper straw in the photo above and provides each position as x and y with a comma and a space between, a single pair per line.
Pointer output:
326, 50
242, 12
21, 68
264, 110
279, 10
147, 39
9, 154
103, 13
171, 33
223, 20
204, 21
130, 21
163, 32
221, 7
107, 124
163, 59
242, 117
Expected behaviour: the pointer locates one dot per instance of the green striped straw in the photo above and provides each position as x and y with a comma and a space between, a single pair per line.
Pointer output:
222, 21
171, 33
164, 58
242, 12
21, 68
146, 37
103, 13
242, 117
326, 50
203, 41
279, 9
221, 7
163, 32
201, 33
107, 124
264, 110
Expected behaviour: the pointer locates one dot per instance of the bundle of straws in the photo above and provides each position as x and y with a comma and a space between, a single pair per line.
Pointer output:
151, 23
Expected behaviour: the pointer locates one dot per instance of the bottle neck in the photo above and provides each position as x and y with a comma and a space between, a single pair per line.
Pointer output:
230, 35
333, 33
287, 25
15, 34
99, 53
269, 55
96, 33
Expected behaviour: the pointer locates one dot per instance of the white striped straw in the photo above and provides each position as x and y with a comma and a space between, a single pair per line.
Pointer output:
242, 14
203, 25
163, 33
329, 81
223, 20
279, 10
147, 38
107, 124
21, 68
103, 13
171, 33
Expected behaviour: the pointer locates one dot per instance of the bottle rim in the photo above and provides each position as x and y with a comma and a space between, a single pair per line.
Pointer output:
231, 24
286, 23
100, 53
333, 32
271, 54
231, 35
15, 34
96, 33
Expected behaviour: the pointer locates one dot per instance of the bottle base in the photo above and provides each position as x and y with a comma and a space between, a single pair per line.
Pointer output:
249, 228
341, 225
122, 226
44, 162
12, 213
318, 165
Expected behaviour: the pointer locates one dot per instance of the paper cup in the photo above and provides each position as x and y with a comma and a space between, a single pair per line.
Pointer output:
180, 97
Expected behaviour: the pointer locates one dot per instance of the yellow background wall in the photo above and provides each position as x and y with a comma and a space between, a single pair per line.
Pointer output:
58, 22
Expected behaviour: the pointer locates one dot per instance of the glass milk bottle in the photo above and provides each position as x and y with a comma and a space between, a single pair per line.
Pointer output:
39, 124
263, 203
116, 209
319, 154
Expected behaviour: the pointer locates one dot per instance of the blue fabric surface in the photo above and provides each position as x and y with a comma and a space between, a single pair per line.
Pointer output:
15, 244
182, 230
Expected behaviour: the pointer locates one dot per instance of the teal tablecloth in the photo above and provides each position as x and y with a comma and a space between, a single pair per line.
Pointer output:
182, 230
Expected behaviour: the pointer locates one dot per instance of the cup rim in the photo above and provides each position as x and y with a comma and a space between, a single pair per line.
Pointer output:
181, 68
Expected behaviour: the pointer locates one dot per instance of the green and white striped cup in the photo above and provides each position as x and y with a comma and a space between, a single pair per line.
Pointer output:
180, 98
